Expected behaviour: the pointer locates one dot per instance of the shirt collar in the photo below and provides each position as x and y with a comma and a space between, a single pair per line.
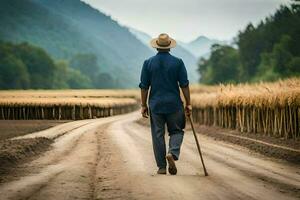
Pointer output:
162, 52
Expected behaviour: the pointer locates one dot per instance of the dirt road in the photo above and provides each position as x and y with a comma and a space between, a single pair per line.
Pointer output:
112, 158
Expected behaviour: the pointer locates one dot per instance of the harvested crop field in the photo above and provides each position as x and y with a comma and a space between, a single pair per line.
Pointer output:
65, 104
14, 128
14, 152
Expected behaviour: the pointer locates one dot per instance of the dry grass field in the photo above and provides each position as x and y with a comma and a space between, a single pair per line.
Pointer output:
266, 108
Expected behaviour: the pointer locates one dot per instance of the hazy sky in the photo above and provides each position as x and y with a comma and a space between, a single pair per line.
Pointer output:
187, 19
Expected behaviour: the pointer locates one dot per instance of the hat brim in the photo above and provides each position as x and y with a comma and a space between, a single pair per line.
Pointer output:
156, 46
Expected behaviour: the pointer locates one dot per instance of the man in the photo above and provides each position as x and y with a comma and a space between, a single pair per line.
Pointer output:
164, 74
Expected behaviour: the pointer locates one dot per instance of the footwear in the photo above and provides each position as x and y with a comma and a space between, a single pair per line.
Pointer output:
162, 171
172, 167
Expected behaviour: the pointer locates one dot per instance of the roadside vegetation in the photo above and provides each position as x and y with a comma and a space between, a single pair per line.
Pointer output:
24, 66
264, 52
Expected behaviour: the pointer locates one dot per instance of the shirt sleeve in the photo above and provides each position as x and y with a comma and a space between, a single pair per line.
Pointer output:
145, 77
182, 75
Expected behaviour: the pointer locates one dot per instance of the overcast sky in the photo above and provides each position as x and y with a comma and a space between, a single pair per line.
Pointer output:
187, 19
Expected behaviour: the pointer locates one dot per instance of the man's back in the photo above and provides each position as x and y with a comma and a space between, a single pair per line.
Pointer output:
164, 73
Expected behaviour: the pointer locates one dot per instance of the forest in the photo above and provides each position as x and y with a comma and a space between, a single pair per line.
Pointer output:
266, 52
25, 66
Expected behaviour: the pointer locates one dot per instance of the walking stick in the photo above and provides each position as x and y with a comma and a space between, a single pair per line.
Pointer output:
198, 146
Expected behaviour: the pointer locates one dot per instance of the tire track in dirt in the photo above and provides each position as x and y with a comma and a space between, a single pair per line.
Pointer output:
109, 171
239, 163
273, 182
41, 186
57, 131
262, 142
74, 181
36, 185
52, 157
50, 168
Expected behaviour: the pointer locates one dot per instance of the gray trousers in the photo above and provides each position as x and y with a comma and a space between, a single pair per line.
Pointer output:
175, 123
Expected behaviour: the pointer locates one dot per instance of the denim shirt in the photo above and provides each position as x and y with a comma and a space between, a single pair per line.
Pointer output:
164, 73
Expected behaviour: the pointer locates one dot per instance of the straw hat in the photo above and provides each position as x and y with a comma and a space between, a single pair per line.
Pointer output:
163, 42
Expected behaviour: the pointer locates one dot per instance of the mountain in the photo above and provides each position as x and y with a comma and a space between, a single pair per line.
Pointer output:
189, 59
65, 28
142, 36
200, 47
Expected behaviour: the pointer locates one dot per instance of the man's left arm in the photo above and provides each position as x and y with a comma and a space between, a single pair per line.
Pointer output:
187, 97
184, 85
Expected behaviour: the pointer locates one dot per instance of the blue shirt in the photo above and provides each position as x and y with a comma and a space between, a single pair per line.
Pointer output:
165, 74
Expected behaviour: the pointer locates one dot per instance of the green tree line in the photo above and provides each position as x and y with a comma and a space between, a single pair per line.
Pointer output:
268, 51
24, 66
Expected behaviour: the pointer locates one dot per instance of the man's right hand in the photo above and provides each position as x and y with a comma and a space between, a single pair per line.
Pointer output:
188, 110
144, 111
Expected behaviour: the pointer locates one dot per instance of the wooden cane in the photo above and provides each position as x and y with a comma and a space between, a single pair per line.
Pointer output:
198, 146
